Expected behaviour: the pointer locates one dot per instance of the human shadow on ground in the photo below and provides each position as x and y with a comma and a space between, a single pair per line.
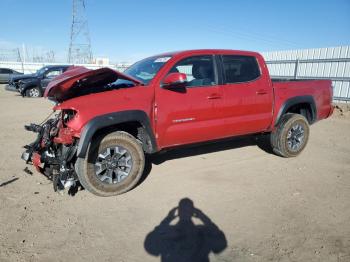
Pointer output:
178, 239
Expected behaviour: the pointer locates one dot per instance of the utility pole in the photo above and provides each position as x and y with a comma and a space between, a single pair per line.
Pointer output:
80, 44
20, 59
24, 53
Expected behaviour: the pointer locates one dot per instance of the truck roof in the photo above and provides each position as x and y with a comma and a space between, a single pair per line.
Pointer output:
210, 51
52, 66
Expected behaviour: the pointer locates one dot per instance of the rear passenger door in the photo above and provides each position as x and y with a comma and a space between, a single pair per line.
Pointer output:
248, 97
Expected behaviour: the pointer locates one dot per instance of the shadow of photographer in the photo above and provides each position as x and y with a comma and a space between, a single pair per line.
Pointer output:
183, 240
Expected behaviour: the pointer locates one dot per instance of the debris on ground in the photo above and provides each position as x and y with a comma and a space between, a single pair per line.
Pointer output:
9, 182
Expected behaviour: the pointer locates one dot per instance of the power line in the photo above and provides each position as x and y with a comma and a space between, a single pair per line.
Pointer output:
254, 37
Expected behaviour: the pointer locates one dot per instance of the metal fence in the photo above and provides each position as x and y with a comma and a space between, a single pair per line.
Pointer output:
321, 63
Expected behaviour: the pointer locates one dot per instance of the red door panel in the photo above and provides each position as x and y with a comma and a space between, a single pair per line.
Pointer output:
184, 118
248, 95
192, 114
247, 107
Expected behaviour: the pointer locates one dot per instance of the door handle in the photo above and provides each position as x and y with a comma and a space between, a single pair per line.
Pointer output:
261, 92
214, 96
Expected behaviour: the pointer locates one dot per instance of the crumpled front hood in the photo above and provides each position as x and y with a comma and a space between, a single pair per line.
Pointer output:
21, 77
78, 80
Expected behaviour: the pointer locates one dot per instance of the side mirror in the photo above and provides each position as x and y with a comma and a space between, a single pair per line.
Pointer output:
175, 81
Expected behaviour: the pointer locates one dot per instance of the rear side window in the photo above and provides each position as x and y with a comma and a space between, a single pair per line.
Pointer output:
238, 69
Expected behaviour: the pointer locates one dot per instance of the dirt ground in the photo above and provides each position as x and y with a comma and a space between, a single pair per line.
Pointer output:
249, 205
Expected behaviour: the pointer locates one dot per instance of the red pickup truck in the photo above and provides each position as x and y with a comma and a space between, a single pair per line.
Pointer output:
106, 121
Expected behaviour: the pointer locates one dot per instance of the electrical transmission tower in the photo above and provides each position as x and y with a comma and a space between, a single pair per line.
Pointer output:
80, 44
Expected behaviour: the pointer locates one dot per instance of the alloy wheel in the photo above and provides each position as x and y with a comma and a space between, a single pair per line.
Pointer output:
295, 137
113, 165
34, 92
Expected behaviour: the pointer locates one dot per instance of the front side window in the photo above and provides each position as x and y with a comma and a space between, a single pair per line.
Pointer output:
41, 71
53, 73
198, 69
146, 69
239, 69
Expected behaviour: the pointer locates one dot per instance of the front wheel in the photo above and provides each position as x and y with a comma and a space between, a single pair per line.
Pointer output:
33, 92
113, 166
290, 136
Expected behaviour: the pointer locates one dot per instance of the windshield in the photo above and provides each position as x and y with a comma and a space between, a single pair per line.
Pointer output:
146, 69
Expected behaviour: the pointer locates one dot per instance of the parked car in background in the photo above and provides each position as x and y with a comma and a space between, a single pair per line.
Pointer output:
15, 80
107, 121
6, 73
33, 85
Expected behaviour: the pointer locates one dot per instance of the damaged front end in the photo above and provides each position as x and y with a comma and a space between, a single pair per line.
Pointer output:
53, 153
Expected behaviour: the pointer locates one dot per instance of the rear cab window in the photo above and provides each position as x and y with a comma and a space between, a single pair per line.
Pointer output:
240, 69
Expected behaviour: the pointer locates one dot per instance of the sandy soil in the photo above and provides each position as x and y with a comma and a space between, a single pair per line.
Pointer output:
249, 205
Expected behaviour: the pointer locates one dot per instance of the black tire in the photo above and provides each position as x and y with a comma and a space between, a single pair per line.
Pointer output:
282, 139
33, 92
86, 166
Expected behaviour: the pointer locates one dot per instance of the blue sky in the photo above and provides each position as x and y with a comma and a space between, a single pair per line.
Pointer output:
127, 30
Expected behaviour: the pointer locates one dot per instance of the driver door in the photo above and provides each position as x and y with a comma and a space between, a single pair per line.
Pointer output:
191, 114
49, 75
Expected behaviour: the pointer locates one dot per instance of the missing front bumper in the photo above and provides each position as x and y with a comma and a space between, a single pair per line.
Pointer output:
54, 160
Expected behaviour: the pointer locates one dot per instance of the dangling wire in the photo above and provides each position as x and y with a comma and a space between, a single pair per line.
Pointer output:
47, 118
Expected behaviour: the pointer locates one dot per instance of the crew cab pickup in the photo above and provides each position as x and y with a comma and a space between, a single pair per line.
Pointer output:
106, 121
33, 85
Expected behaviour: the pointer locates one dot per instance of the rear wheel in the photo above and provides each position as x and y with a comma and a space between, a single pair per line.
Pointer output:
291, 135
113, 166
33, 92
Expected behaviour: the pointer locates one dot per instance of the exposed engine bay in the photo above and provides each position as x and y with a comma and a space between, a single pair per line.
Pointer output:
53, 153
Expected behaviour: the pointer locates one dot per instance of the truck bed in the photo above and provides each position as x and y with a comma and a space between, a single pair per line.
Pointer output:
290, 80
320, 90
